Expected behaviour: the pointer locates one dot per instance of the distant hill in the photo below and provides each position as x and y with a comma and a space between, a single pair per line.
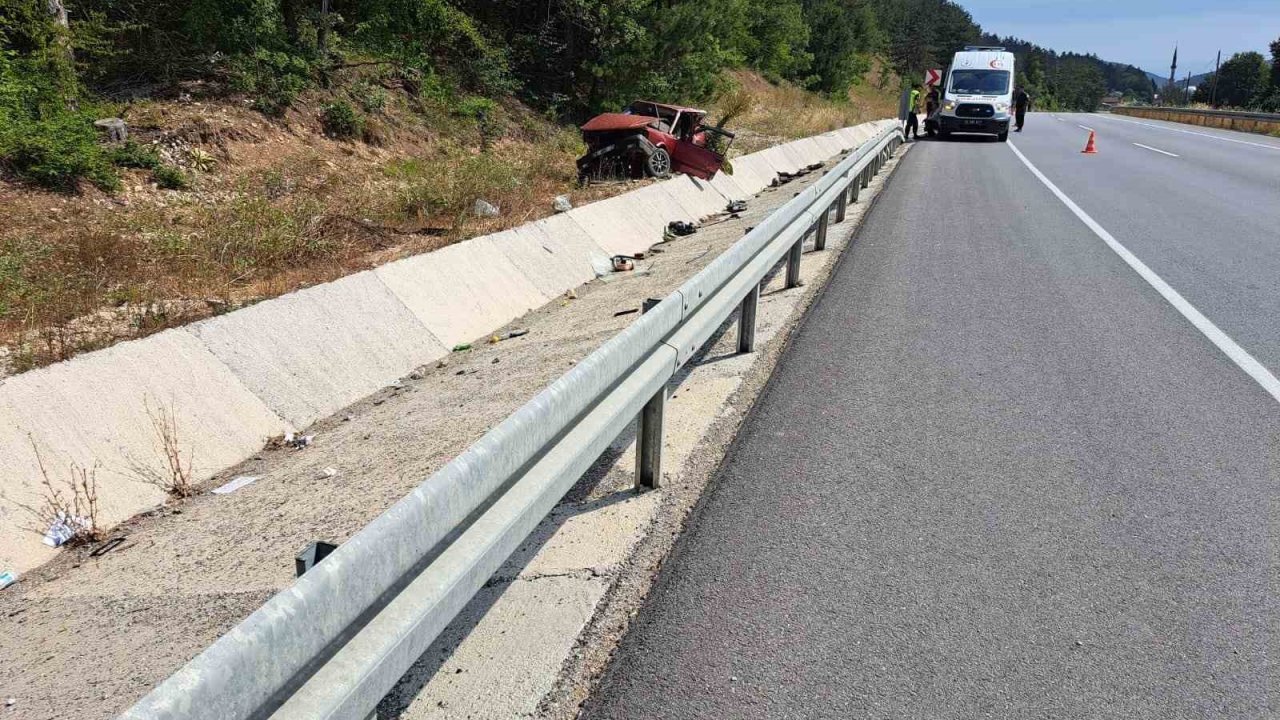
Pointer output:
1160, 80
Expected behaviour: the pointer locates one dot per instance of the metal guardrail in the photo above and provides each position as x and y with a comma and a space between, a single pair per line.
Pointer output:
334, 643
1234, 114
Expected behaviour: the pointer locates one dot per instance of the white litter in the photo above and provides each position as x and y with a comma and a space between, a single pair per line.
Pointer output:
7, 578
63, 529
235, 485
328, 472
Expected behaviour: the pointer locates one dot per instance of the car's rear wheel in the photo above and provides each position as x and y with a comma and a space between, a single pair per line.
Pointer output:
658, 163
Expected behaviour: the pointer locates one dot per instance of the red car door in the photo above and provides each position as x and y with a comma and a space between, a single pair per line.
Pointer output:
699, 161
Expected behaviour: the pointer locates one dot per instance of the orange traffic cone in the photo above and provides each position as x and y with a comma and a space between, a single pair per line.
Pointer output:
1089, 148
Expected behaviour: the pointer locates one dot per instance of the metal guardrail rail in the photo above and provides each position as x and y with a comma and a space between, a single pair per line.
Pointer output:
334, 643
1233, 114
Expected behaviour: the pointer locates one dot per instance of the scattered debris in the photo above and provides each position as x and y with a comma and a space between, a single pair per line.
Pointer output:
298, 442
7, 578
622, 263
462, 347
517, 333
485, 209
237, 483
348, 418
494, 339
571, 295
649, 304
116, 128
328, 473
63, 528
736, 206
680, 228
442, 364
562, 204
107, 546
417, 374
628, 311
496, 361
11, 702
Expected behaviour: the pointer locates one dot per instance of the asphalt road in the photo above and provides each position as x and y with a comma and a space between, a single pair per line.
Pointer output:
998, 474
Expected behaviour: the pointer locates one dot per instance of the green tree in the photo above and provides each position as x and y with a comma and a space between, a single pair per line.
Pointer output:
1243, 80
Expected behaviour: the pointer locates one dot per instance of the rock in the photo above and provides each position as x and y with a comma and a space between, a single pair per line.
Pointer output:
486, 209
117, 129
562, 204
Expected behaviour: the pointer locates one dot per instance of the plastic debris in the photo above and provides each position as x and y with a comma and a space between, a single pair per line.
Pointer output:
737, 206
328, 473
63, 528
460, 347
622, 263
7, 578
486, 209
517, 333
681, 228
562, 204
628, 311
239, 482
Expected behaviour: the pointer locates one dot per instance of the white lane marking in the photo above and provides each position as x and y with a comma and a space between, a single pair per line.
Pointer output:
1086, 127
1192, 132
1229, 347
1148, 147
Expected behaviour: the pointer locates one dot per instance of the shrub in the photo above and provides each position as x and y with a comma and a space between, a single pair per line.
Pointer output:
372, 98
56, 152
273, 78
341, 120
133, 155
170, 177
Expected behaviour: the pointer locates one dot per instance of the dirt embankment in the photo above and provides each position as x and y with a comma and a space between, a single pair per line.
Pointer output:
275, 204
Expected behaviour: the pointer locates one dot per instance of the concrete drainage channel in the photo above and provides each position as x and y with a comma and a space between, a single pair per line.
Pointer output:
338, 640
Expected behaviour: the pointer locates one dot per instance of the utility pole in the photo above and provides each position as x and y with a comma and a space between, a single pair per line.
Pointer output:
1213, 100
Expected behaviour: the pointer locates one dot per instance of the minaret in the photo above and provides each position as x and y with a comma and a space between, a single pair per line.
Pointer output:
1173, 69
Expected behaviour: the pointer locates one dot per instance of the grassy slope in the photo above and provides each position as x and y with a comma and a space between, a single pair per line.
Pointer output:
282, 206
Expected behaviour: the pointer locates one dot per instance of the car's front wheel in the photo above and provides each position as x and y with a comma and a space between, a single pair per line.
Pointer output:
658, 163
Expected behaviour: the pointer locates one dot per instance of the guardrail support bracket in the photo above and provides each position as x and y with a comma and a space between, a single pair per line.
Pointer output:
793, 264
649, 442
747, 321
820, 238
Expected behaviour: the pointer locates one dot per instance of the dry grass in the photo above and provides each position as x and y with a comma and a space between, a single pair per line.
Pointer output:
770, 113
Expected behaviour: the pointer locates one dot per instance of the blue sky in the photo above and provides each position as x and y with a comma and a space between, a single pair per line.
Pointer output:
1139, 32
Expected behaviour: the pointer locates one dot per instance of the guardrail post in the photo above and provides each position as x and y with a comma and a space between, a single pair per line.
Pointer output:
866, 176
747, 320
793, 264
820, 237
649, 442
854, 189
842, 206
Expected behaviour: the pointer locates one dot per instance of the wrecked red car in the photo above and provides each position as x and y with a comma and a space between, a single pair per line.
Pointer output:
652, 139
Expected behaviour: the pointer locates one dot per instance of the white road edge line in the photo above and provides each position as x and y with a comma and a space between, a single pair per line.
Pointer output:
1229, 347
1086, 127
1191, 132
1148, 147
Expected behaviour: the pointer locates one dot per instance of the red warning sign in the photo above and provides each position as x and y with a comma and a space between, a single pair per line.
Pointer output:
932, 77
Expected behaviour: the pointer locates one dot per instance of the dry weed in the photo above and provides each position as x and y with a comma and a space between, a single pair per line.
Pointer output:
173, 473
69, 507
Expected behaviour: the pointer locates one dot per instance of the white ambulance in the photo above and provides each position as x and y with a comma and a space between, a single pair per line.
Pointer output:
979, 93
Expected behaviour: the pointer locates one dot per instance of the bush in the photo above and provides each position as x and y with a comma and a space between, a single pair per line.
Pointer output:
56, 152
342, 121
133, 155
372, 98
170, 177
274, 79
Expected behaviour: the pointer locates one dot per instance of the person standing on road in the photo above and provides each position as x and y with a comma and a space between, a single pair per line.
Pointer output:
1021, 101
912, 128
